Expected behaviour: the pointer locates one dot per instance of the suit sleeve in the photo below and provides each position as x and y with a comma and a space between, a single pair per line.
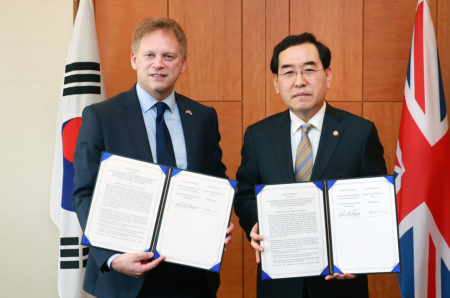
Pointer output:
218, 168
372, 161
247, 177
87, 156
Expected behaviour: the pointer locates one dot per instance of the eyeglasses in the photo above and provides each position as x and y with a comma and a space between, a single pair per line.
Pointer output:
307, 73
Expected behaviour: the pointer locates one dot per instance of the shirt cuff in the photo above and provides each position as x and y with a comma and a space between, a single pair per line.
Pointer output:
111, 258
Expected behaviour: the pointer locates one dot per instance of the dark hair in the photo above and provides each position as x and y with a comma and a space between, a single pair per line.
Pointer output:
293, 40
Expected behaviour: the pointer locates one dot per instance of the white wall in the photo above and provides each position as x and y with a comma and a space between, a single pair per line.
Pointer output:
34, 38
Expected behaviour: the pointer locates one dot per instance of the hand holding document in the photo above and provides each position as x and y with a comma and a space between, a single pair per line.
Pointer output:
139, 206
327, 227
136, 264
255, 242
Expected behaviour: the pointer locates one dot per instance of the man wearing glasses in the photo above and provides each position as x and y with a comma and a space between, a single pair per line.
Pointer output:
310, 141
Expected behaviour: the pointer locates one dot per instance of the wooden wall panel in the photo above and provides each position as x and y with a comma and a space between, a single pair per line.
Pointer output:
254, 61
325, 19
277, 24
383, 286
231, 273
230, 131
433, 11
276, 27
388, 28
75, 7
254, 91
443, 39
231, 143
249, 269
386, 116
115, 21
213, 29
350, 106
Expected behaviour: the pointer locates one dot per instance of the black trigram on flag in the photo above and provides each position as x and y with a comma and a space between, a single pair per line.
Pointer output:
82, 78
70, 252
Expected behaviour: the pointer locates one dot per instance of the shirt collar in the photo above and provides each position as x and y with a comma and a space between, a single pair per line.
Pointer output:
147, 101
316, 120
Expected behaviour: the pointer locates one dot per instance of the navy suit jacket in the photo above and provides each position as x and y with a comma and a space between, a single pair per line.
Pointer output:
266, 159
117, 126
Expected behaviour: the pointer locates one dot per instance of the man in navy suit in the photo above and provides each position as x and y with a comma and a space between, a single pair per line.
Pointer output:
342, 145
126, 125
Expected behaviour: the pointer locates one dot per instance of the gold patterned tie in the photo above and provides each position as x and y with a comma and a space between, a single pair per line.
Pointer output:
303, 160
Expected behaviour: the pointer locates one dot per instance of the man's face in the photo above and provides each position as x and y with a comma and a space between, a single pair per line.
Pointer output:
303, 96
158, 63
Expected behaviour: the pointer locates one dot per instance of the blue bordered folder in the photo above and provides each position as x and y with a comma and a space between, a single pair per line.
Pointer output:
319, 228
141, 206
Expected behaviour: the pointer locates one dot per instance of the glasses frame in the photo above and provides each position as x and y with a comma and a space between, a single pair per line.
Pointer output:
291, 74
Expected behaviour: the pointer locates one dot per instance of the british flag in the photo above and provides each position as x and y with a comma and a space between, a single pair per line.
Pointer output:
422, 170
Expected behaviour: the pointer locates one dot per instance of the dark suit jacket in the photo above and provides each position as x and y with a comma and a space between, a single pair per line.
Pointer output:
117, 126
267, 159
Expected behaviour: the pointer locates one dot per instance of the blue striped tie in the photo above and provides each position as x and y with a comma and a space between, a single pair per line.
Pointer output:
303, 159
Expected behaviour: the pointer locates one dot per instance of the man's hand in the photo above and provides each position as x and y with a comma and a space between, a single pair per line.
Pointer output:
229, 231
340, 276
255, 242
135, 264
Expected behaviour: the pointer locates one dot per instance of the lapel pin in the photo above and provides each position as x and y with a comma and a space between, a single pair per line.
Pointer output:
335, 133
189, 112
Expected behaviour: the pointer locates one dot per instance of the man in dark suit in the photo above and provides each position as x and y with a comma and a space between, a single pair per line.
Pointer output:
339, 145
149, 122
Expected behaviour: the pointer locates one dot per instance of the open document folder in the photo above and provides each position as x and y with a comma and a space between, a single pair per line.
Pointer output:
139, 206
323, 227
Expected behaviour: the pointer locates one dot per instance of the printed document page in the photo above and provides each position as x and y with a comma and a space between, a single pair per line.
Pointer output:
195, 219
125, 204
364, 225
292, 221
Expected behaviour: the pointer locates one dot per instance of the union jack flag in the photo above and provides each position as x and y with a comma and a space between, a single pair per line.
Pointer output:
422, 170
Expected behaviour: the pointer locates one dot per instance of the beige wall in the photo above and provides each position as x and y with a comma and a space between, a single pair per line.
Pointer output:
34, 41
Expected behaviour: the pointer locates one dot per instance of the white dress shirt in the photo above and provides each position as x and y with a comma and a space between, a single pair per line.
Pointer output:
173, 122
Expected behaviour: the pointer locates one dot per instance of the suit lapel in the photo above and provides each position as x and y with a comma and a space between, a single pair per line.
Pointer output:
134, 123
189, 130
332, 131
281, 143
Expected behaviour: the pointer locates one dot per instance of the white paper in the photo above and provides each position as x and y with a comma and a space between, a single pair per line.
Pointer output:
292, 221
195, 219
364, 225
125, 204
